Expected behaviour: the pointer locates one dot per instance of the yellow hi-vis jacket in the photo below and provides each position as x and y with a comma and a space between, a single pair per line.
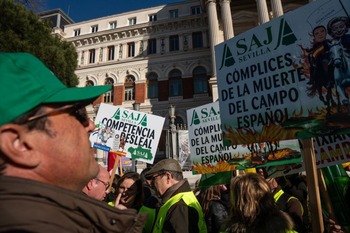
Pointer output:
190, 199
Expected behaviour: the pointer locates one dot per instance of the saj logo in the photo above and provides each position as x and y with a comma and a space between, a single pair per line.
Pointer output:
258, 44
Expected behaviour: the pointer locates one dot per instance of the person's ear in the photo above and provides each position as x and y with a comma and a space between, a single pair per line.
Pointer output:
168, 175
15, 145
91, 185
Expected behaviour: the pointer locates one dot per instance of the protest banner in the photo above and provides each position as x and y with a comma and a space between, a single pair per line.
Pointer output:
184, 149
127, 132
274, 81
329, 150
286, 79
209, 155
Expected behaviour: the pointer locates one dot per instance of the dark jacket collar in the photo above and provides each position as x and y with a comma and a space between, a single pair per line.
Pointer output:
180, 187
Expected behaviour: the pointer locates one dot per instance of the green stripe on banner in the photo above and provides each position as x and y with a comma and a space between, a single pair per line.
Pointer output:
215, 179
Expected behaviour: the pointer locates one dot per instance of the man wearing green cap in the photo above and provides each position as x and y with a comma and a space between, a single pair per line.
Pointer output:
45, 154
180, 210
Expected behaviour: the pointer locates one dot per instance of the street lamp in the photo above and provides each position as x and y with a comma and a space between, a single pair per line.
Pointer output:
173, 130
136, 107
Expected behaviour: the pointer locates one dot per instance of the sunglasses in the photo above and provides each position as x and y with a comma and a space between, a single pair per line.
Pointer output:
154, 177
106, 184
77, 110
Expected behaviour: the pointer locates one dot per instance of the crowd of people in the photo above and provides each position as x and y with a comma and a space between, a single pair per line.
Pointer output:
251, 202
50, 181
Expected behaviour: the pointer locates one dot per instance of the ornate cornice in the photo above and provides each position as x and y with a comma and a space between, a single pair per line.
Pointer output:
141, 30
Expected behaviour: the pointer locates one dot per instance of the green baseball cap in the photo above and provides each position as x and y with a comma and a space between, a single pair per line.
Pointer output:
26, 83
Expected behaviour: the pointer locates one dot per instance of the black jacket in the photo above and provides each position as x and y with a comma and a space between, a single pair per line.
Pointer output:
216, 215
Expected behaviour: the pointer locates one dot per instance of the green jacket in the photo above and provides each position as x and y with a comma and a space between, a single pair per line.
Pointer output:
151, 215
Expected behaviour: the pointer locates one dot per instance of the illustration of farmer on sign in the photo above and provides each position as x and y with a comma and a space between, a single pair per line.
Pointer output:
328, 60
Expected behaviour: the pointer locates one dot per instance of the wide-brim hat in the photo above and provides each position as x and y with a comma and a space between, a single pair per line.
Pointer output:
26, 83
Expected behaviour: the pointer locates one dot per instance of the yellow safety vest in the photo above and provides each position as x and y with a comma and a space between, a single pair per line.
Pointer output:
280, 193
190, 199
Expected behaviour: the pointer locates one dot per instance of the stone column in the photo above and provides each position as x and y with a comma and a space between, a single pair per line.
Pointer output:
100, 54
84, 57
277, 9
213, 31
214, 39
184, 42
145, 47
141, 47
120, 51
163, 45
189, 41
116, 52
226, 18
263, 12
80, 62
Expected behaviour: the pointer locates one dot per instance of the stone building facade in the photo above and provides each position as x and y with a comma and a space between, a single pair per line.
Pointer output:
164, 55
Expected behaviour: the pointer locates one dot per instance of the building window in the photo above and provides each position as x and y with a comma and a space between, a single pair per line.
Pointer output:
197, 40
152, 85
129, 88
131, 49
152, 18
174, 43
173, 14
195, 10
92, 56
94, 28
111, 50
132, 21
109, 96
200, 80
77, 32
113, 25
152, 46
175, 83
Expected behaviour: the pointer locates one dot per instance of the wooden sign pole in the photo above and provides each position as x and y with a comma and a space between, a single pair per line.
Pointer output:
324, 195
121, 167
312, 184
116, 163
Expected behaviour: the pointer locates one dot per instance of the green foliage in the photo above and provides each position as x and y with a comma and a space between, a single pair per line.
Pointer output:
22, 30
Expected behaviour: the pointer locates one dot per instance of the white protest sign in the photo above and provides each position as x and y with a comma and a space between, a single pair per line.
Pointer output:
209, 155
129, 133
278, 81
